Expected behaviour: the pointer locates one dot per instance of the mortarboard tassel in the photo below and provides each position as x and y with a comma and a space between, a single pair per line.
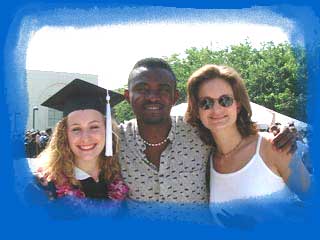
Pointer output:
108, 128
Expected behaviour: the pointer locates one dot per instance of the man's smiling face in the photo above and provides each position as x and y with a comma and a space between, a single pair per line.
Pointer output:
152, 93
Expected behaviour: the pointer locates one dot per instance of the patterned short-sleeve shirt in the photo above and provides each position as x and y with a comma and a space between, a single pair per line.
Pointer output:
182, 172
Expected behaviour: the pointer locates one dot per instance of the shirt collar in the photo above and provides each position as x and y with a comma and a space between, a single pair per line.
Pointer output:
134, 139
139, 138
80, 174
172, 129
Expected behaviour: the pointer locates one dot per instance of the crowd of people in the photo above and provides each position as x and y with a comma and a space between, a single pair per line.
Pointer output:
214, 155
35, 141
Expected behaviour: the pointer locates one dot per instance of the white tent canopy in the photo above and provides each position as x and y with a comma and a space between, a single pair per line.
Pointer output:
261, 115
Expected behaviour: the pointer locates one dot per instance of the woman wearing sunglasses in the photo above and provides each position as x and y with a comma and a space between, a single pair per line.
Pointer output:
243, 163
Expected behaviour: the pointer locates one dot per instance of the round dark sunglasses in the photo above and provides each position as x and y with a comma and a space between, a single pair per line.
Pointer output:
208, 103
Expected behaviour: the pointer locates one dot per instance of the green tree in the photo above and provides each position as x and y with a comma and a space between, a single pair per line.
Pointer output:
122, 111
275, 75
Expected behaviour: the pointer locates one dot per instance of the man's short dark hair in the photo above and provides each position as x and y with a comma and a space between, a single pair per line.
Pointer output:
152, 63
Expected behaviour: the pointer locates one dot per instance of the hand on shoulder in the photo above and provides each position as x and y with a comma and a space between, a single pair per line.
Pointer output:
284, 138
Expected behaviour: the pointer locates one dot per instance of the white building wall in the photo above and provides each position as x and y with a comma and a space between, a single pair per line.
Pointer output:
42, 85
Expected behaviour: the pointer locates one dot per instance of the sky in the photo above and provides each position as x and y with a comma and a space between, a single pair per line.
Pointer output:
111, 50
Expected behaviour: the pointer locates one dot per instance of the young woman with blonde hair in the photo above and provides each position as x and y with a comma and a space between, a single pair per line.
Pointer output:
74, 162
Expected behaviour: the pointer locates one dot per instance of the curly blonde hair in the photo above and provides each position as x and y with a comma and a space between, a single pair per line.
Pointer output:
210, 71
57, 161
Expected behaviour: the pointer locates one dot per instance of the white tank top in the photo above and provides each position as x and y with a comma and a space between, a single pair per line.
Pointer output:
255, 179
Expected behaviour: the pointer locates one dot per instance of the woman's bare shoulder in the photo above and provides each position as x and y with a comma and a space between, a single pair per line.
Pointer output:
276, 158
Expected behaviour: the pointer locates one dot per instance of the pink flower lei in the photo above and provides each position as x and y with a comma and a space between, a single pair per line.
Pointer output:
66, 189
117, 190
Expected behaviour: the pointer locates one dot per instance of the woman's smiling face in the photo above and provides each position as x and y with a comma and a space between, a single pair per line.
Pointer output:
218, 117
86, 134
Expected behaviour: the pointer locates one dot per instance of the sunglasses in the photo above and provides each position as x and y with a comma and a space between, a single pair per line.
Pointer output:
208, 103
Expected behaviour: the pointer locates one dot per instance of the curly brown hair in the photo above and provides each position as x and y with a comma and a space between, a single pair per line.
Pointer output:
211, 71
57, 160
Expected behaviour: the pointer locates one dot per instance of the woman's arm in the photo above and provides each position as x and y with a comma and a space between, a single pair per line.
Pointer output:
290, 167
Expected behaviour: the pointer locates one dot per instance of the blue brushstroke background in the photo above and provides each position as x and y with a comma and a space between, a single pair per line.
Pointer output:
23, 220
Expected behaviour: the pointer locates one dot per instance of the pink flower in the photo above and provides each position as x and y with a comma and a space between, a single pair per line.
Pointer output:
41, 176
78, 193
62, 190
67, 190
118, 190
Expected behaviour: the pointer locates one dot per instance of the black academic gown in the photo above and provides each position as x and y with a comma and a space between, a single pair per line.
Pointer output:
94, 204
93, 189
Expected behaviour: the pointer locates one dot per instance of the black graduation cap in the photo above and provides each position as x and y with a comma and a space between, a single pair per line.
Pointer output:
79, 95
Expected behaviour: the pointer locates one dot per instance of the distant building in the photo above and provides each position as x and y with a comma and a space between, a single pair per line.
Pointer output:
42, 85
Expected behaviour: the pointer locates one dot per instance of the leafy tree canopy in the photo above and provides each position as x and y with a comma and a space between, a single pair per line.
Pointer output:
275, 75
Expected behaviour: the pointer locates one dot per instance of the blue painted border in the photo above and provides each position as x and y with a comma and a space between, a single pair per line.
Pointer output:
18, 221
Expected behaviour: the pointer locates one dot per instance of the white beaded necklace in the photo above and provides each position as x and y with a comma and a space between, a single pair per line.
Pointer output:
155, 144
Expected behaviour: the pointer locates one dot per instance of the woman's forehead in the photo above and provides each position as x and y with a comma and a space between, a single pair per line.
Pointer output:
83, 115
215, 86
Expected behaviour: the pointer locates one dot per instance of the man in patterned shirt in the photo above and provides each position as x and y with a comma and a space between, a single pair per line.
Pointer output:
162, 158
